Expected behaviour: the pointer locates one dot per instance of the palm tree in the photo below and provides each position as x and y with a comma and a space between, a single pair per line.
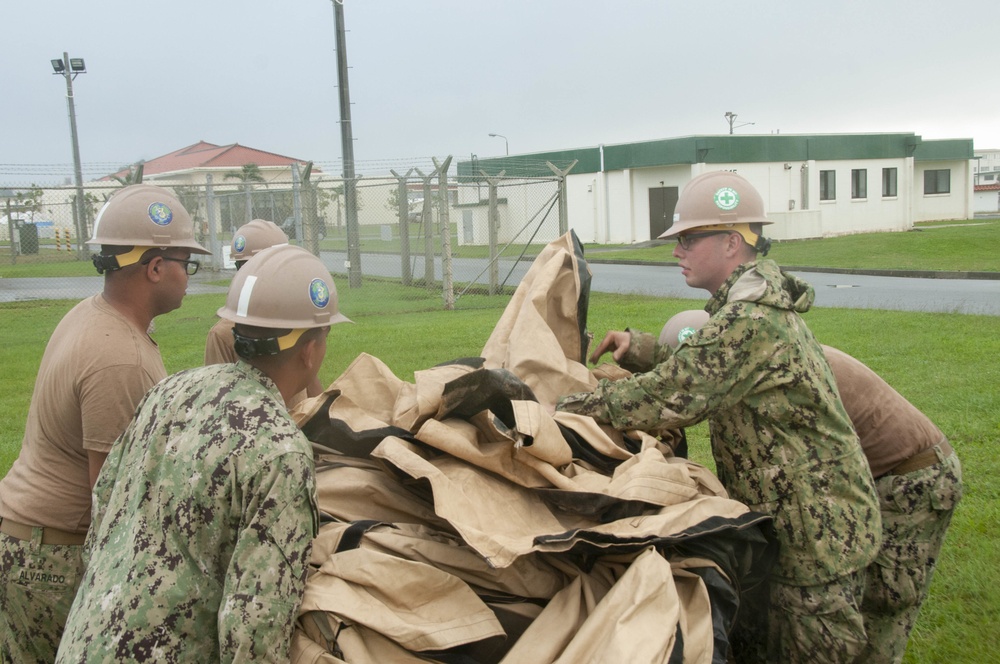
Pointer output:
247, 175
134, 175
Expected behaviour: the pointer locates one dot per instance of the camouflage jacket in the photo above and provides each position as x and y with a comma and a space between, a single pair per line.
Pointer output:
204, 514
781, 439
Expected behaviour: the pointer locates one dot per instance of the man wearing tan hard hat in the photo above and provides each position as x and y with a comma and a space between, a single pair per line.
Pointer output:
207, 504
98, 364
781, 439
917, 475
249, 240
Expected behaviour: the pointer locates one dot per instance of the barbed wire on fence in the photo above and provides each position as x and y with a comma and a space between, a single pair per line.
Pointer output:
451, 231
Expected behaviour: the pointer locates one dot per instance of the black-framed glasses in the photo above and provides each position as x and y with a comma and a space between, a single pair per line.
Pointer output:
687, 240
191, 267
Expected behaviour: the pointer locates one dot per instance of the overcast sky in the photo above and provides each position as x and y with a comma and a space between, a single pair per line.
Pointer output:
436, 77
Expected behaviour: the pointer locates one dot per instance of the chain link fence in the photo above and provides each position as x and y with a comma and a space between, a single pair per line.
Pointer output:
408, 235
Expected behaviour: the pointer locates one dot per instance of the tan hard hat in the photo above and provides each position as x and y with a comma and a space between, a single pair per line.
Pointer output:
719, 199
255, 236
144, 215
681, 326
283, 287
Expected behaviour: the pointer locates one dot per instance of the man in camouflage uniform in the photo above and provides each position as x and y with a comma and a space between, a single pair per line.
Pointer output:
98, 364
919, 481
205, 511
780, 437
918, 478
249, 240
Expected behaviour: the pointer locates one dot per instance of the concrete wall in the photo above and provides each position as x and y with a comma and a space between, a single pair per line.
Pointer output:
956, 204
986, 201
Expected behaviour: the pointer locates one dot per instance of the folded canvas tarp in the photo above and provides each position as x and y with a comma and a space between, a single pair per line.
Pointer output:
464, 522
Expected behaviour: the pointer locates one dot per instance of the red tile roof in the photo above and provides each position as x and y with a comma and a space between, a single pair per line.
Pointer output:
987, 187
208, 155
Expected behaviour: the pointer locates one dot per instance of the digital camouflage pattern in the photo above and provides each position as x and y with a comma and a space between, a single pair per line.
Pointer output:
916, 510
37, 586
204, 514
782, 443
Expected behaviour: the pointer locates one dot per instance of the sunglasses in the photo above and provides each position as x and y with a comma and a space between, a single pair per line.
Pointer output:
687, 240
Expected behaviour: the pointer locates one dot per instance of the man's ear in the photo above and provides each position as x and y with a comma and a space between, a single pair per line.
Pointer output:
311, 355
154, 269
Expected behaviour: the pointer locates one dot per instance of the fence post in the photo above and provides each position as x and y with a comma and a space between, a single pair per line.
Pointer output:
354, 276
213, 238
425, 217
10, 234
297, 207
404, 226
310, 211
494, 230
563, 212
443, 204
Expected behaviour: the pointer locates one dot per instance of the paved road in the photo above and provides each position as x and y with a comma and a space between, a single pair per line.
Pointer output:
851, 291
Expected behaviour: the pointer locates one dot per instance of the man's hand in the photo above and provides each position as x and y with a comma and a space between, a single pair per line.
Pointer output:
615, 341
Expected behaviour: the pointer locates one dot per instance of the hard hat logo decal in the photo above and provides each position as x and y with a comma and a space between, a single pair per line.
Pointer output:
684, 333
160, 214
726, 198
240, 243
319, 293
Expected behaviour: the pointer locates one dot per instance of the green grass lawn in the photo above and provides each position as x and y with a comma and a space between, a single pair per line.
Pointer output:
946, 364
967, 246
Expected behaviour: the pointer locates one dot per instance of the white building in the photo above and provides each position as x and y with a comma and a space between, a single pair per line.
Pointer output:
813, 185
987, 181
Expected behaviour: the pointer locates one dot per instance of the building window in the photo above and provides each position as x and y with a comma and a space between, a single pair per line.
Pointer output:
888, 182
859, 183
937, 181
827, 185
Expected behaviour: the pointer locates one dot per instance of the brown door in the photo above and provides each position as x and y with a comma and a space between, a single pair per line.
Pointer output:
661, 209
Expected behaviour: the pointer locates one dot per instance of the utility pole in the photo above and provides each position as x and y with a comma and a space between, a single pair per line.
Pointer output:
347, 148
731, 118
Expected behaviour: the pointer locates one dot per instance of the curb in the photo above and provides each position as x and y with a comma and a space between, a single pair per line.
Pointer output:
912, 274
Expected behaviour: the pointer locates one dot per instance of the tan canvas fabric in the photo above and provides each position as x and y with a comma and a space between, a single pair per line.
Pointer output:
537, 337
502, 520
462, 524
527, 577
357, 643
414, 604
96, 368
370, 396
351, 489
636, 620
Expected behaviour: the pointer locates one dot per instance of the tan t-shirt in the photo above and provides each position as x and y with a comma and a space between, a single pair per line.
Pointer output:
891, 429
219, 349
96, 368
219, 346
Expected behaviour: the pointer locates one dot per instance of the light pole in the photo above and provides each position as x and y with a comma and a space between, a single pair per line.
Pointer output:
69, 68
347, 147
731, 118
506, 149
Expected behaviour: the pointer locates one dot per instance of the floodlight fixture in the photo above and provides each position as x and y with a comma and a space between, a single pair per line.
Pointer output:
506, 147
58, 66
77, 65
